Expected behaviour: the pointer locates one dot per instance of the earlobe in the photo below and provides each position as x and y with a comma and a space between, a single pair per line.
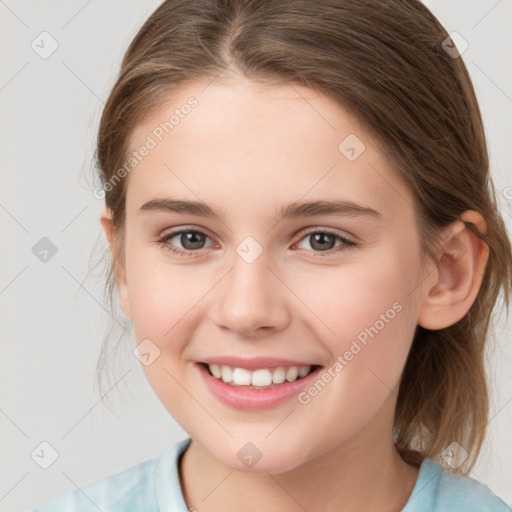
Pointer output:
460, 269
120, 271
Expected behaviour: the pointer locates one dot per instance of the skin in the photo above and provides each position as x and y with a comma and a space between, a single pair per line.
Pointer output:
248, 149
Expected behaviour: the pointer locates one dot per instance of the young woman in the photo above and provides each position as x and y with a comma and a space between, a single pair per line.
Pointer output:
305, 237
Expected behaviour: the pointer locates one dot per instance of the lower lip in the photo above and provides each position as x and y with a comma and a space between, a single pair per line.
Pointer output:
254, 399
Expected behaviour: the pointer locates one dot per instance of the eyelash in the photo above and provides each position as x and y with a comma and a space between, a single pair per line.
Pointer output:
348, 244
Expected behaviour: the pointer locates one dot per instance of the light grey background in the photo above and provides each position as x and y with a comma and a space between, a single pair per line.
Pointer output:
53, 321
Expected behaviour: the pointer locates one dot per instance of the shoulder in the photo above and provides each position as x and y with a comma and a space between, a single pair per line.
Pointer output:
119, 491
438, 490
138, 488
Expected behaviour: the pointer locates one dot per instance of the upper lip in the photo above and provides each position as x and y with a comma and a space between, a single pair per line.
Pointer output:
254, 363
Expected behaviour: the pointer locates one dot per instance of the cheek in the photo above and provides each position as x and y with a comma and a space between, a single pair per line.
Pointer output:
165, 302
163, 305
364, 314
162, 293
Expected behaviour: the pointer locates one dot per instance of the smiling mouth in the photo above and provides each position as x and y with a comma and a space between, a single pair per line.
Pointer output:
263, 378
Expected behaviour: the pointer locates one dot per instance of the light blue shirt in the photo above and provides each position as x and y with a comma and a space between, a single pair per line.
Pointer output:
154, 486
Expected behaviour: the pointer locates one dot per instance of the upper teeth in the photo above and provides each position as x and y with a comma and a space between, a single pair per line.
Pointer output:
260, 377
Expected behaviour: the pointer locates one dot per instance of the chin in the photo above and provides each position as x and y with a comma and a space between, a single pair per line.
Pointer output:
248, 457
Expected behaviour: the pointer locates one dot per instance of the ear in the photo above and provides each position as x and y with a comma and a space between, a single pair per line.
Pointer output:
460, 268
120, 270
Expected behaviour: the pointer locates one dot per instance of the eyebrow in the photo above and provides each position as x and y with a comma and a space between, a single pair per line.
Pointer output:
293, 210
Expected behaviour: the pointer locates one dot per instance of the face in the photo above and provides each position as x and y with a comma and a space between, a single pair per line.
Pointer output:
334, 288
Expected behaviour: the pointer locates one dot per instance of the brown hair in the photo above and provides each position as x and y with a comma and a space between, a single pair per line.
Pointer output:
385, 63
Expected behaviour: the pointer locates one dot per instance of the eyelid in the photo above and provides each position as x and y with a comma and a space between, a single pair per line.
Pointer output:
185, 229
322, 229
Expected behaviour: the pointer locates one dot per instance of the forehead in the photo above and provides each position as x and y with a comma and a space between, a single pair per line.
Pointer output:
247, 144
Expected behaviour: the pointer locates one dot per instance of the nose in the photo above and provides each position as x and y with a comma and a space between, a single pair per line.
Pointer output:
251, 299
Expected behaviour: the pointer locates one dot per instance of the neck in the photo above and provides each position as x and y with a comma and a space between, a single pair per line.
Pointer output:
364, 472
